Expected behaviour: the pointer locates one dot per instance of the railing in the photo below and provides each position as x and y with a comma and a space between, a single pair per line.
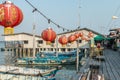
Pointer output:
88, 76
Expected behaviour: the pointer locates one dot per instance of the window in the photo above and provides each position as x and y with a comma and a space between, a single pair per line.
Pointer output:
69, 49
40, 41
63, 49
40, 49
80, 41
51, 49
44, 49
26, 42
56, 49
74, 48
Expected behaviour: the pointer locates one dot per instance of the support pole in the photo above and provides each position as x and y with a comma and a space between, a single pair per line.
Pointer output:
34, 41
77, 63
57, 46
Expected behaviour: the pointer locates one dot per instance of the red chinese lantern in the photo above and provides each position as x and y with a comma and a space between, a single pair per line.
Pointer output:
10, 16
71, 38
81, 34
87, 39
48, 35
63, 40
90, 34
77, 35
83, 38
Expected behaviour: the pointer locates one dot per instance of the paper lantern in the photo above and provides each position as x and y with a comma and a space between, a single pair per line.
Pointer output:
71, 38
81, 34
63, 40
10, 16
48, 35
77, 35
90, 34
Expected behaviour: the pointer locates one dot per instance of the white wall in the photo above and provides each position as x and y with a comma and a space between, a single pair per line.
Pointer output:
22, 37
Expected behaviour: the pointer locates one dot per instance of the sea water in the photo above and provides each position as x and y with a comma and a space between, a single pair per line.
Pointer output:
68, 72
2, 55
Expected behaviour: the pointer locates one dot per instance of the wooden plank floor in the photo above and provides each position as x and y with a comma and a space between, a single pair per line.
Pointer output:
111, 66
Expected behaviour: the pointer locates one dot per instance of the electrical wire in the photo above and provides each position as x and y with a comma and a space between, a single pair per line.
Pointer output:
49, 20
110, 22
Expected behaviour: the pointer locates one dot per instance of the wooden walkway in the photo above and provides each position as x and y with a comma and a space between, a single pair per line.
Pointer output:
111, 66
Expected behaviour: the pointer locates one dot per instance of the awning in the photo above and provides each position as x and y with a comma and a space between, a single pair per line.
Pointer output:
99, 38
108, 38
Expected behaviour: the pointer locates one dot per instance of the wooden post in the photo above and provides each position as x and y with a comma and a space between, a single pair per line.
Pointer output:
16, 52
28, 52
20, 52
23, 50
24, 55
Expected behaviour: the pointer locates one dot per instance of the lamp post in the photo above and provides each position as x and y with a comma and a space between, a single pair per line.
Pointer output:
34, 32
114, 17
77, 41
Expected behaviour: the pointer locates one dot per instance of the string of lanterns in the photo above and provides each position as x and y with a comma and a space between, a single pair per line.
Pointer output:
49, 36
15, 16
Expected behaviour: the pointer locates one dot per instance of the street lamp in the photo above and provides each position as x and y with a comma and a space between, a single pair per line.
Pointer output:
114, 17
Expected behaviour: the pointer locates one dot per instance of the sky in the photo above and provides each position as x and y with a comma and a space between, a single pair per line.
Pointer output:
94, 14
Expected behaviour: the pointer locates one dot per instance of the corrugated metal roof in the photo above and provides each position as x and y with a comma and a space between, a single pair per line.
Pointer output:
57, 34
20, 33
115, 29
82, 29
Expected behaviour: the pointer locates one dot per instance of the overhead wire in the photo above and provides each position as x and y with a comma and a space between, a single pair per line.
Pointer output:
49, 20
110, 21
